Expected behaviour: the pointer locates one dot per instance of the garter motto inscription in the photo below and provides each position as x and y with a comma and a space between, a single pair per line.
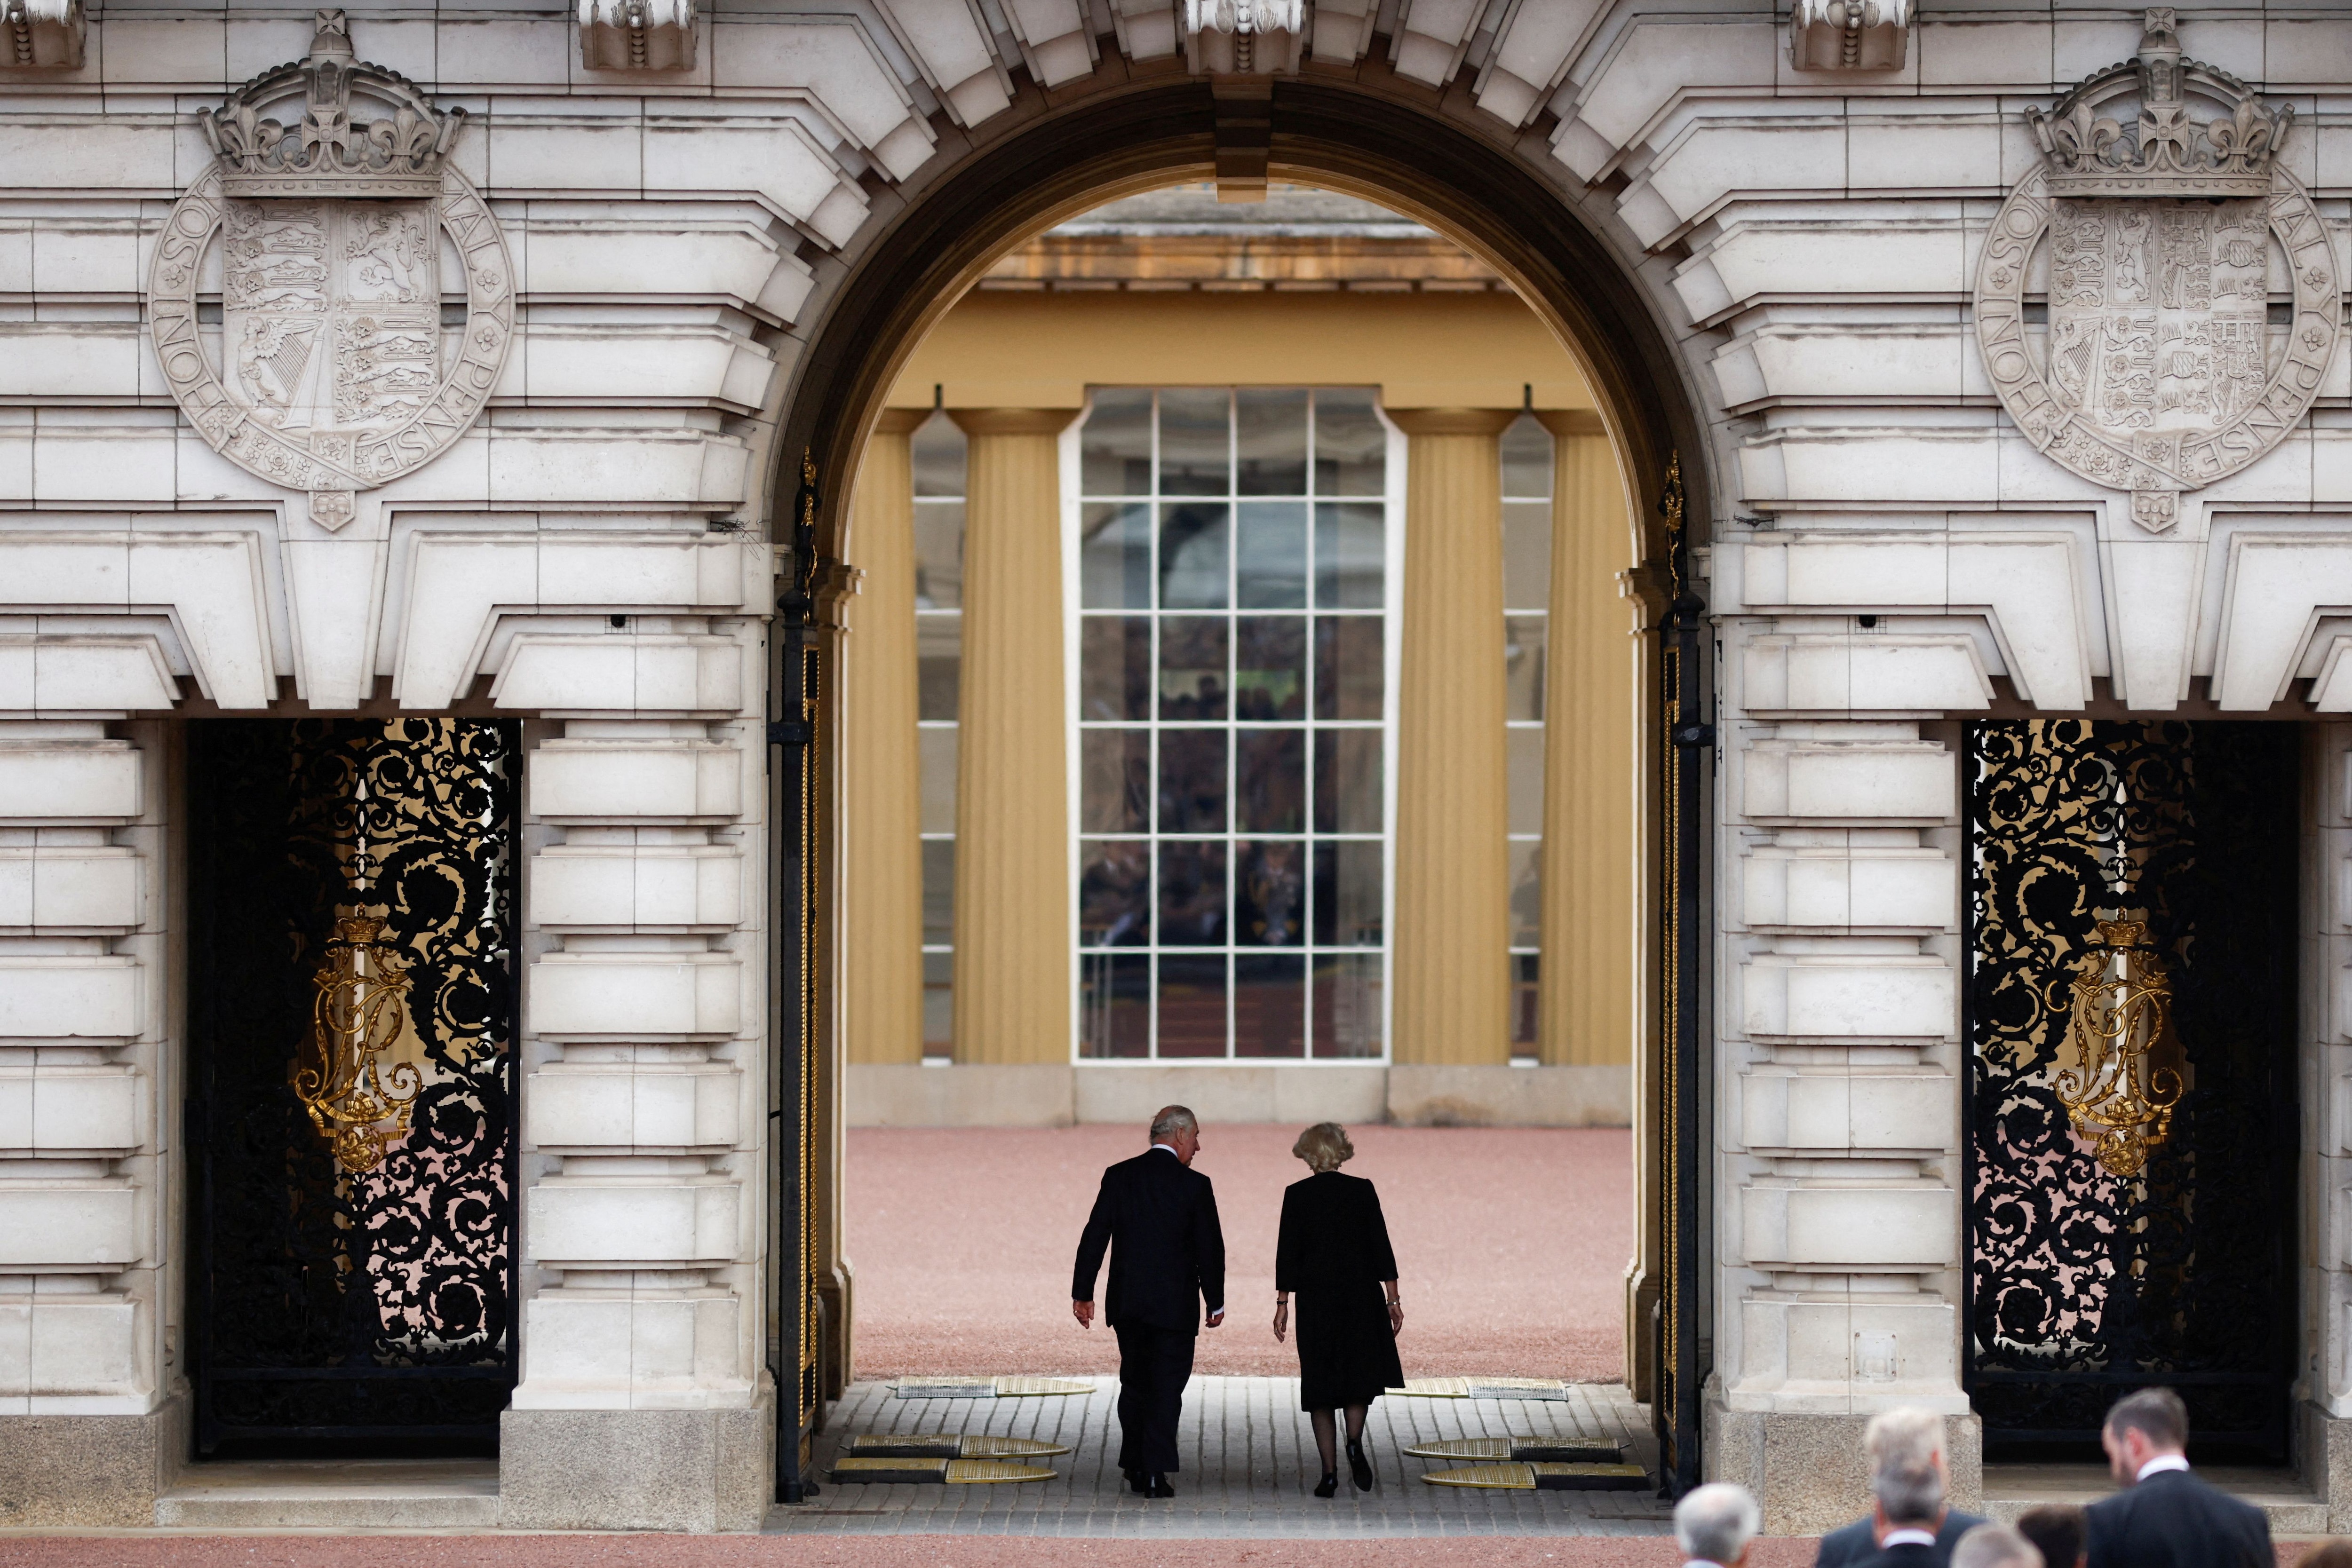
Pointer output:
2161, 370
332, 371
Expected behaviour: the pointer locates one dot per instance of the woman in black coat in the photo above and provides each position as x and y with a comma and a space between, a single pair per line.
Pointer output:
1334, 1254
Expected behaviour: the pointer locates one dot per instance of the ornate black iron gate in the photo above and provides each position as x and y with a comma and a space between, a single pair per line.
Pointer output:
2084, 1283
351, 1107
1688, 742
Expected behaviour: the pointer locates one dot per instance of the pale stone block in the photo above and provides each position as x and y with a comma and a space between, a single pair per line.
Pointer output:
581, 995
595, 886
1660, 58
506, 53
975, 1095
84, 1346
688, 362
603, 1469
93, 462
652, 1106
1715, 158
1832, 888
645, 674
69, 997
1860, 996
1850, 1228
1985, 53
1858, 1113
2279, 580
581, 1222
701, 259
571, 153
63, 674
69, 781
1874, 781
1803, 360
60, 1108
1755, 256
1827, 1353
835, 60
71, 358
650, 1350
1530, 58
84, 256
68, 1225
772, 158
87, 153
585, 780
1850, 673
1904, 152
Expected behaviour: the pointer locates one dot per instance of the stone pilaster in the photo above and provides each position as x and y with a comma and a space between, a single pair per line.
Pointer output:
1591, 863
89, 1431
1013, 836
1450, 946
641, 1403
882, 881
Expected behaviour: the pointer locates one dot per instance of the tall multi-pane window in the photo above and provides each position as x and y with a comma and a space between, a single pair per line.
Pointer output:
939, 454
1234, 715
1527, 602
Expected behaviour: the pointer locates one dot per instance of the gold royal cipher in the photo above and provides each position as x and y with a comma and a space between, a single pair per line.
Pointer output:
356, 1020
2116, 1095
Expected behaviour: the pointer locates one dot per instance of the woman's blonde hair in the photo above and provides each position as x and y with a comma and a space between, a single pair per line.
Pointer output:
1324, 1146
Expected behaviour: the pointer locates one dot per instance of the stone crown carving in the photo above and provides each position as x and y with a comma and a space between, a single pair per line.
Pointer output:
328, 152
2165, 152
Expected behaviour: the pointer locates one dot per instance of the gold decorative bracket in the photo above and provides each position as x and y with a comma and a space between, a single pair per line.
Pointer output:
358, 1104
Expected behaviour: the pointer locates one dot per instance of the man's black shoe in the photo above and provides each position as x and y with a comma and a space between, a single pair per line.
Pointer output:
1156, 1485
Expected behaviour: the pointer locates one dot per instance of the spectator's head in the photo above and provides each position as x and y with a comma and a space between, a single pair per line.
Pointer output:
1177, 1127
1995, 1546
1714, 1524
1912, 1499
2058, 1532
2327, 1554
2149, 1425
1324, 1146
1905, 1438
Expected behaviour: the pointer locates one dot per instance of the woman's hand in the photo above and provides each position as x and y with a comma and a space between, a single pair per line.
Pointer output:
1396, 1307
1281, 1317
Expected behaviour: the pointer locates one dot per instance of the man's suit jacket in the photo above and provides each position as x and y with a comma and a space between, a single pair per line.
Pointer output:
1910, 1554
1851, 1545
2172, 1519
1159, 1219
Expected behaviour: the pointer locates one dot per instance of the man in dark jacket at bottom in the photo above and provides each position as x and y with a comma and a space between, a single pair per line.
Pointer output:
1903, 1440
2165, 1516
1158, 1216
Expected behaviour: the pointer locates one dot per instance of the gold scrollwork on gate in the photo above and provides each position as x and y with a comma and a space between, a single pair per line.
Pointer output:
358, 1098
2118, 1097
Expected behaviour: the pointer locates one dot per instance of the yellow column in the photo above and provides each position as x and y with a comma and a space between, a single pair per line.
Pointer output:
882, 885
1451, 1001
1013, 850
1591, 852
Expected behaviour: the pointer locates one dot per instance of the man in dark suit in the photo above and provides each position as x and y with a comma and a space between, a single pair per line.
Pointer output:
1907, 1507
2166, 1517
1903, 1440
1159, 1218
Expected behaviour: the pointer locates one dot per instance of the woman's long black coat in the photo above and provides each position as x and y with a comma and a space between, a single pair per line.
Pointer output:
1332, 1254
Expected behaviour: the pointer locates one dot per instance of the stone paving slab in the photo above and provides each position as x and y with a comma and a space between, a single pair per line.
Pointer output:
1249, 1471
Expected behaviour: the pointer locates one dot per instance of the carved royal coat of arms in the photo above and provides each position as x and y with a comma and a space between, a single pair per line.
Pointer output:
330, 240
2160, 246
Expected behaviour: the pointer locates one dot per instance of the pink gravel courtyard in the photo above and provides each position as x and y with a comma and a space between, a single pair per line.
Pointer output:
1512, 1244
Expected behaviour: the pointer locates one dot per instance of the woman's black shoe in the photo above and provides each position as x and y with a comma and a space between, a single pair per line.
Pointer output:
1360, 1468
1329, 1485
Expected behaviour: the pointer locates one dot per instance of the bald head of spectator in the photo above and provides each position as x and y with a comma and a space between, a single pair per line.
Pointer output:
1995, 1546
1714, 1524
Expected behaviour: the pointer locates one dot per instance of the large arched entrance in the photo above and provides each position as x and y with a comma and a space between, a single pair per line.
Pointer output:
1387, 146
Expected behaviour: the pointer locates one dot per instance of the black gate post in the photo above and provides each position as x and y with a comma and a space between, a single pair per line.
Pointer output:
794, 788
1681, 1165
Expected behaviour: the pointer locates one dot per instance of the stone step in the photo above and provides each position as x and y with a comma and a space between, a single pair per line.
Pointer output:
2284, 1496
334, 1494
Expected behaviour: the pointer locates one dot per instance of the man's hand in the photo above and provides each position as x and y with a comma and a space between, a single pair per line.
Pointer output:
1216, 1317
1084, 1311
1281, 1320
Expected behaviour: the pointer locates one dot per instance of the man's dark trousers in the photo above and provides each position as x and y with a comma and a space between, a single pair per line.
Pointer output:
1154, 1365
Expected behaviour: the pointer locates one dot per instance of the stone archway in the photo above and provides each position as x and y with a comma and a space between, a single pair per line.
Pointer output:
897, 281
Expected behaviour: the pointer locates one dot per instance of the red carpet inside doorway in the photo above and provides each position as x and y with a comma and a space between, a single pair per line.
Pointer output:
1512, 1244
